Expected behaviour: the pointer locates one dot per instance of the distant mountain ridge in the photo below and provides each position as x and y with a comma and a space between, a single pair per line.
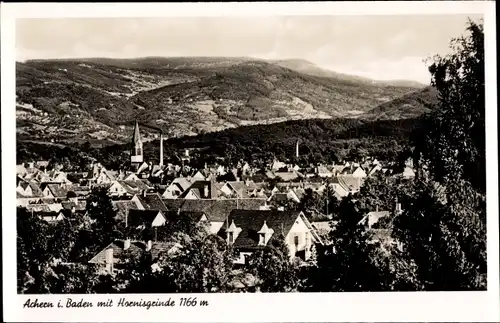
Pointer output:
306, 67
98, 99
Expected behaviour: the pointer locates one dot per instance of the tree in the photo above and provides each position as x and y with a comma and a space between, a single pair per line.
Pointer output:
201, 265
452, 144
272, 268
444, 231
103, 230
309, 202
443, 227
351, 262
33, 253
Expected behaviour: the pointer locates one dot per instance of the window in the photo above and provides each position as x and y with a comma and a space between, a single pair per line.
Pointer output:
261, 239
296, 240
230, 237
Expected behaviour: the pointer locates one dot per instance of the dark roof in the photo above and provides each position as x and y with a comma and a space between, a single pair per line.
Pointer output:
199, 188
141, 217
251, 221
279, 197
122, 208
193, 215
68, 205
173, 216
57, 190
215, 210
152, 202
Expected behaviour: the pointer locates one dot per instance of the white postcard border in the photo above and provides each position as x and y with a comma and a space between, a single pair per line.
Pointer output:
342, 307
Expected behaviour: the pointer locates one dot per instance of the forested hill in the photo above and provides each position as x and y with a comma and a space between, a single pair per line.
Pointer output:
73, 101
320, 140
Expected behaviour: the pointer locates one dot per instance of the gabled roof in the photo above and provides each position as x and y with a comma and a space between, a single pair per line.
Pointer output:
198, 187
279, 197
48, 215
152, 201
142, 217
122, 209
251, 221
68, 205
35, 188
287, 176
182, 182
136, 249
173, 216
215, 210
57, 190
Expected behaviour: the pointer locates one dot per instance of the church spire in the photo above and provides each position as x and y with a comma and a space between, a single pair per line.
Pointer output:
137, 134
136, 156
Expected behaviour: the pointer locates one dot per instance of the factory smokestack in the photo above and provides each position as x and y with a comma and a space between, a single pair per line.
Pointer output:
161, 149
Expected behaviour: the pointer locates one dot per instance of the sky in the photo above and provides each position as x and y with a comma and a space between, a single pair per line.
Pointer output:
378, 47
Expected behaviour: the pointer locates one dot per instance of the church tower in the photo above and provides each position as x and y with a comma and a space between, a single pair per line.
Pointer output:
136, 156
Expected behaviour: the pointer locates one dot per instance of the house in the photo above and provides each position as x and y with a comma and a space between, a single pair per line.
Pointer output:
373, 217
51, 216
359, 172
178, 186
143, 170
120, 188
98, 174
58, 177
152, 201
196, 217
144, 219
200, 190
198, 176
353, 184
315, 187
131, 177
28, 189
374, 169
53, 190
322, 171
42, 164
408, 173
277, 165
288, 176
21, 170
235, 189
81, 192
112, 257
216, 210
123, 208
251, 230
339, 188
289, 195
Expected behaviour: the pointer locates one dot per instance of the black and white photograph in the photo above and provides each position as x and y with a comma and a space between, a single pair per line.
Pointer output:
319, 153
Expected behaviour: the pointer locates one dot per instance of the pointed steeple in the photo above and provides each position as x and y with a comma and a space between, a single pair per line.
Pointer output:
137, 136
136, 155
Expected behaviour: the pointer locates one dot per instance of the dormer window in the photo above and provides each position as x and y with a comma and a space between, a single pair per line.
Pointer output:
262, 239
265, 234
232, 232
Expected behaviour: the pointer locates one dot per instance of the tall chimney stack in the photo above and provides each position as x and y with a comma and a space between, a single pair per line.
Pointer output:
161, 149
